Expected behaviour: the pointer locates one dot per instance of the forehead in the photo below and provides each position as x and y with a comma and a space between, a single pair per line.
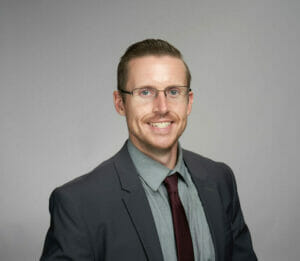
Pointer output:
156, 71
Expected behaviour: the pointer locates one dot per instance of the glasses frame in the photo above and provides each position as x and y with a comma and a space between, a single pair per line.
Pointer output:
157, 91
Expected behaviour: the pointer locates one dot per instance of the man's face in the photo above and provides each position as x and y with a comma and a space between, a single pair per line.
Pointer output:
156, 125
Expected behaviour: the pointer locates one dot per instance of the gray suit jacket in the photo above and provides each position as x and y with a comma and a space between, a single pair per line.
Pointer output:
105, 215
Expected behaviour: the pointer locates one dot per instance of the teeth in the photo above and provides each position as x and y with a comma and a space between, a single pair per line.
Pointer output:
160, 124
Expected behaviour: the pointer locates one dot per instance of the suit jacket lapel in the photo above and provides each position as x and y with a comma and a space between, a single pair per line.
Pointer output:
210, 200
137, 205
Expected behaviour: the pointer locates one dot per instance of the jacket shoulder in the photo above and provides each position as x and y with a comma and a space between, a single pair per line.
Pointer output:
198, 157
206, 168
94, 182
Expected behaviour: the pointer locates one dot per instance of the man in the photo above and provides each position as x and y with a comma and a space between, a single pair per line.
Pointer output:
152, 200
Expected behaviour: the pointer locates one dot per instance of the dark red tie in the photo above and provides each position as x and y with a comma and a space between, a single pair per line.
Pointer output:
183, 237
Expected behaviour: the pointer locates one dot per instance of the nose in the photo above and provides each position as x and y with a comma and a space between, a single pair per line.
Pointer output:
160, 103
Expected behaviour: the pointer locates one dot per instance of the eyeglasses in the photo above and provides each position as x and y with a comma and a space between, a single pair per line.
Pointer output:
174, 93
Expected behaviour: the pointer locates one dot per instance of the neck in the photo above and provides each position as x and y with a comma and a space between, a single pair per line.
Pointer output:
167, 157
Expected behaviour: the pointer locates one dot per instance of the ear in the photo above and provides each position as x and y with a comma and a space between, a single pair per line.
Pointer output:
119, 103
190, 102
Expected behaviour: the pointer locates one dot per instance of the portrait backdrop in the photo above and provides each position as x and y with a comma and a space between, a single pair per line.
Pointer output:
58, 63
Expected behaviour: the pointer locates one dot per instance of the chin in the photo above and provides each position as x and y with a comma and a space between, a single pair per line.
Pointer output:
161, 144
155, 143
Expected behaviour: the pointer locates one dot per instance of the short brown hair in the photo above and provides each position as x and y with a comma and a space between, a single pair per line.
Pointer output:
146, 47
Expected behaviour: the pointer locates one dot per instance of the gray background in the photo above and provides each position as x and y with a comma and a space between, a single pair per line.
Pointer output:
58, 64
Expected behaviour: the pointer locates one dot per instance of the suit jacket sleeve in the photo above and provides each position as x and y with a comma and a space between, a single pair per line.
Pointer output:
67, 237
242, 244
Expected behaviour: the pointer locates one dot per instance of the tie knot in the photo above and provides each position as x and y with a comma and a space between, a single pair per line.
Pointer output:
171, 183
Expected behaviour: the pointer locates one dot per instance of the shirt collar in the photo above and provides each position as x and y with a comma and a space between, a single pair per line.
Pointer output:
151, 171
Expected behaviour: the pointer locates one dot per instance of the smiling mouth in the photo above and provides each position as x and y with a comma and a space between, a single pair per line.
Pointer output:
160, 125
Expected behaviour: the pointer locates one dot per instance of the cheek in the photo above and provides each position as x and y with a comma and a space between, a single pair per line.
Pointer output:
182, 112
137, 114
141, 112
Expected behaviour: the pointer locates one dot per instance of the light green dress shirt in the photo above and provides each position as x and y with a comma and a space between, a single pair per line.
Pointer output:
152, 175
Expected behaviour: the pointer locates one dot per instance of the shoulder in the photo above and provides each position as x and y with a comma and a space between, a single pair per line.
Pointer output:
99, 181
213, 174
208, 169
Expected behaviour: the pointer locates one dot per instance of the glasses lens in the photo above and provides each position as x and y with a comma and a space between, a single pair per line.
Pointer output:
174, 92
146, 92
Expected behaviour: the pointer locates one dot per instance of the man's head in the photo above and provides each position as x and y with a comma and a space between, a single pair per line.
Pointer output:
159, 99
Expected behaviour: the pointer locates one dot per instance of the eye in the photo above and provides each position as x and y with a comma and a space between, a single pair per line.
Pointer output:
146, 92
173, 91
